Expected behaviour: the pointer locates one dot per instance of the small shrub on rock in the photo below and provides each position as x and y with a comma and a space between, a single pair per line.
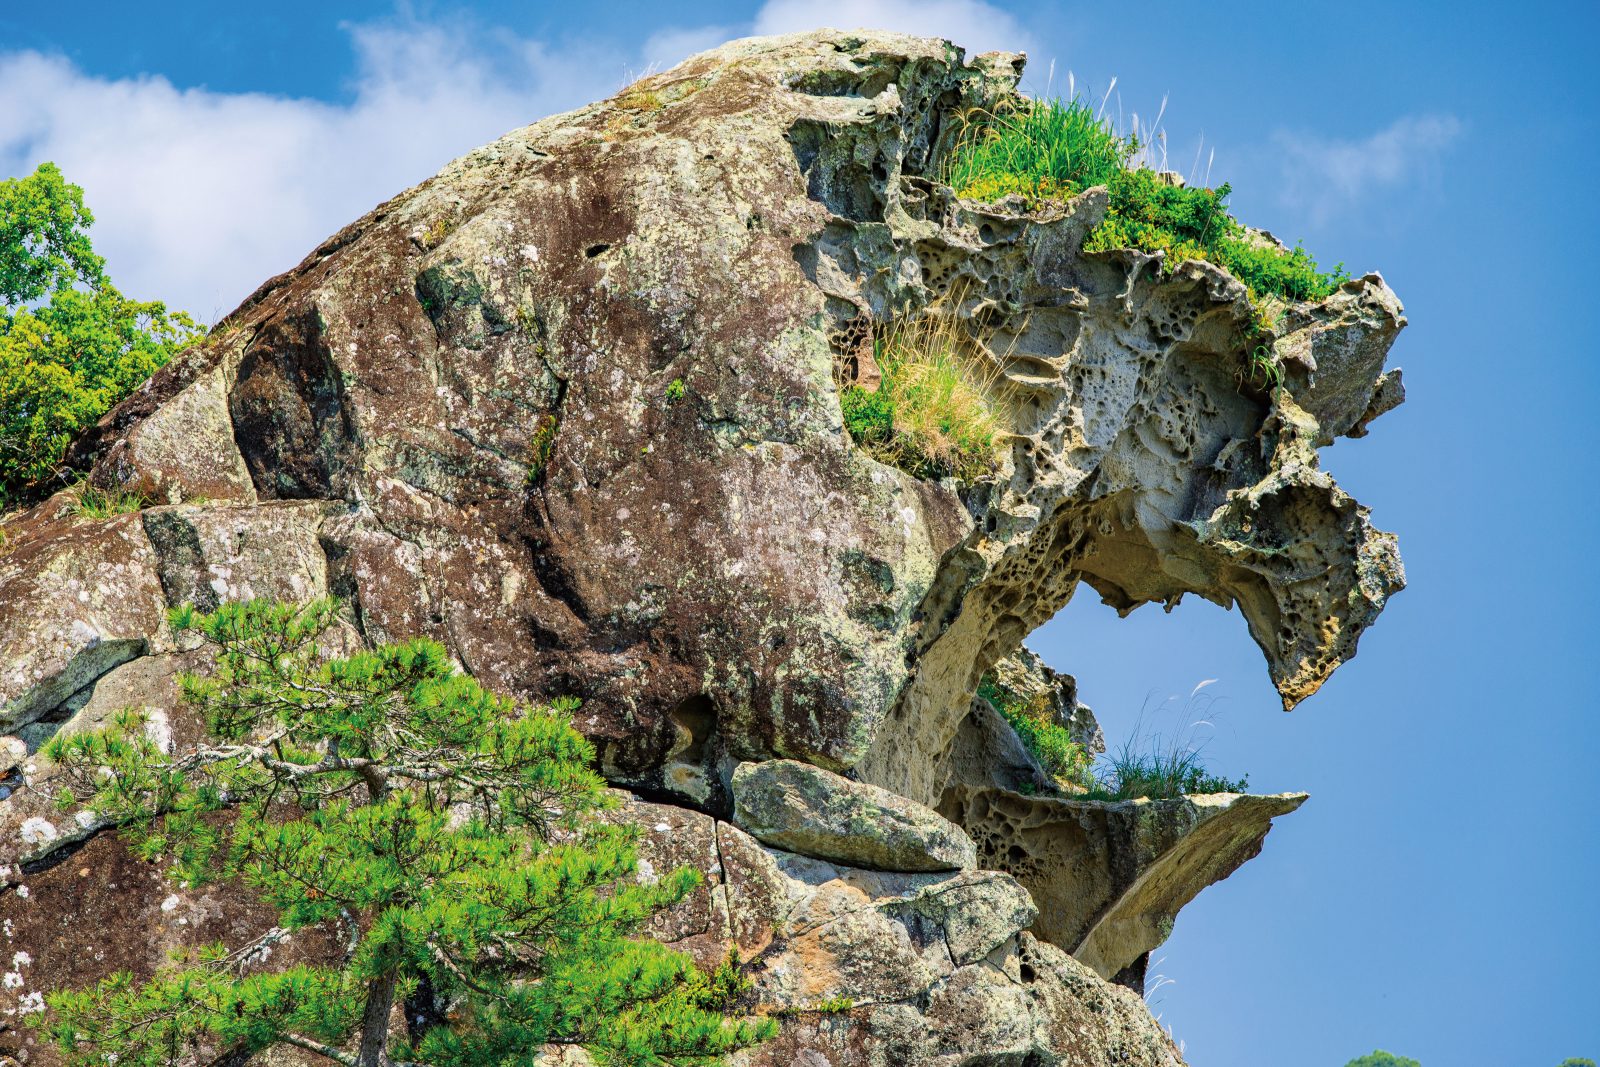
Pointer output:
444, 831
1043, 150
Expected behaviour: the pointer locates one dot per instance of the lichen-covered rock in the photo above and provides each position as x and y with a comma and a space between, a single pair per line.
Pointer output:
73, 605
576, 402
1110, 877
805, 809
572, 408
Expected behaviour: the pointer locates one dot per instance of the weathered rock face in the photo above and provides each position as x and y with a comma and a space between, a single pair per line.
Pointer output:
472, 386
571, 407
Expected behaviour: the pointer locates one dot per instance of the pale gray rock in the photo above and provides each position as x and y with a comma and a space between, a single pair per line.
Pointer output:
800, 808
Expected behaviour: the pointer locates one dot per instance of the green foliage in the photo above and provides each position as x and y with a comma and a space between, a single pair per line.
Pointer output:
1044, 149
1191, 223
676, 390
1575, 1063
71, 345
929, 414
449, 832
1050, 149
542, 447
88, 502
868, 415
43, 248
1150, 768
1380, 1058
831, 1006
1051, 743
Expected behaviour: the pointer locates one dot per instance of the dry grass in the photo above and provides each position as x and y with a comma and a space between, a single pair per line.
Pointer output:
931, 415
637, 99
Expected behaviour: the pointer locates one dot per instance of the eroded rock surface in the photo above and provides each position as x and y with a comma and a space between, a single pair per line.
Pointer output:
571, 407
478, 377
1110, 877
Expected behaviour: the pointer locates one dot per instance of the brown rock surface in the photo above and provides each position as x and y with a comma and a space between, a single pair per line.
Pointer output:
473, 381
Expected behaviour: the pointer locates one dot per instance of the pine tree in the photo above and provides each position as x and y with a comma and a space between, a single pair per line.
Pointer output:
448, 832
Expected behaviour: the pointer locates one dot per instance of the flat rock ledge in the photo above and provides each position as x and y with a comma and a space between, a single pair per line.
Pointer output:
800, 808
1110, 877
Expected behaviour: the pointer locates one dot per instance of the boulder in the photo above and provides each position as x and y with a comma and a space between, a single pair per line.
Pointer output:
572, 407
73, 605
805, 809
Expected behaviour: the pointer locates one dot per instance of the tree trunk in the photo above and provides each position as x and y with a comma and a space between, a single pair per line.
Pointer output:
374, 1050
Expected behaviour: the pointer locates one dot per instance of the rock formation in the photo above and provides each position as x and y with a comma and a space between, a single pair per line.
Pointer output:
571, 407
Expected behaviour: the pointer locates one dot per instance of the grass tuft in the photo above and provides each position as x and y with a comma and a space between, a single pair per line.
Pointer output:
88, 502
640, 100
930, 415
1038, 149
1050, 149
1162, 768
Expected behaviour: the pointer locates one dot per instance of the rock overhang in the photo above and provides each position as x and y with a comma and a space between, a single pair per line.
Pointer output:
572, 408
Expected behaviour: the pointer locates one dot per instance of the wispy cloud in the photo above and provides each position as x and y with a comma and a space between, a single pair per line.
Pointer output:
1322, 176
974, 25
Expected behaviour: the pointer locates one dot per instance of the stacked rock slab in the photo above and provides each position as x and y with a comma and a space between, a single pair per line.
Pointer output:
571, 407
865, 967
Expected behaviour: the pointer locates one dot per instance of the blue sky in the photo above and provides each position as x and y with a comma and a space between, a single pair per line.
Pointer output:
1437, 895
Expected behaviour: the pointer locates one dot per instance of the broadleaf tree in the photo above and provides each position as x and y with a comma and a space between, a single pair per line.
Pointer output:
449, 835
71, 345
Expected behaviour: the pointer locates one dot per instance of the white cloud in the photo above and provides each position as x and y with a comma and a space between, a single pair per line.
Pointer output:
199, 196
972, 24
1323, 175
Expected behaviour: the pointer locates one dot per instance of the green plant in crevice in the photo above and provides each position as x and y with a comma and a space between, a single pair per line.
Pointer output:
831, 1006
930, 414
1051, 743
541, 447
89, 502
676, 391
